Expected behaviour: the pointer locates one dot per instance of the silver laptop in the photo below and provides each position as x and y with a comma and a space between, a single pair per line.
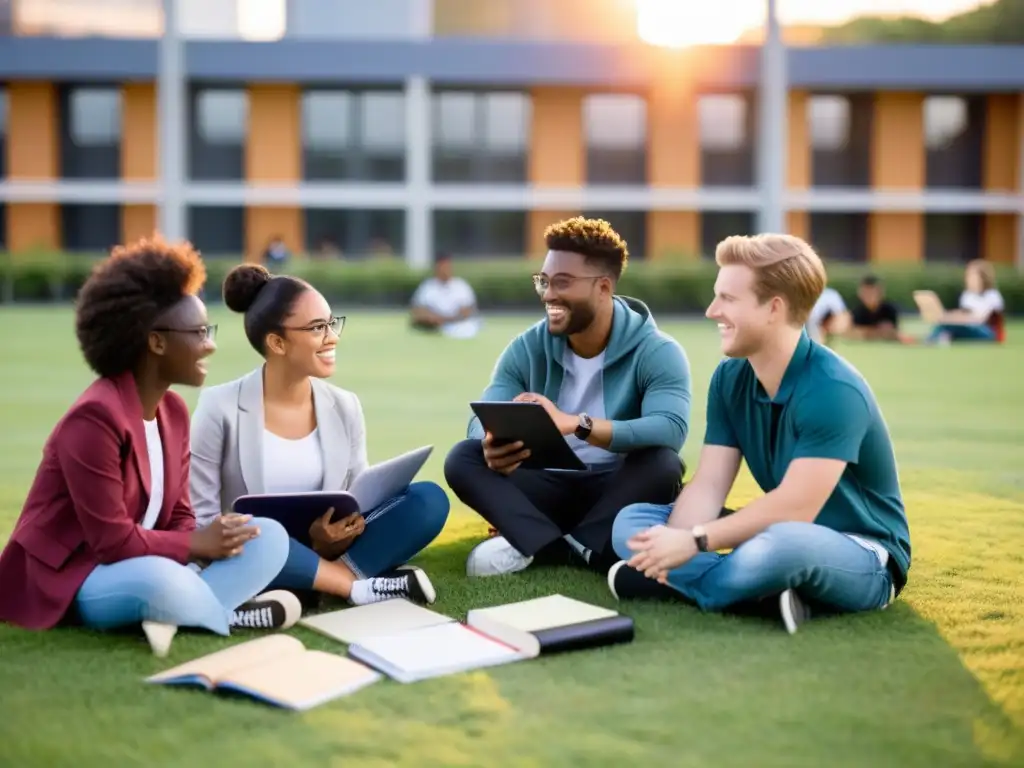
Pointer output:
384, 481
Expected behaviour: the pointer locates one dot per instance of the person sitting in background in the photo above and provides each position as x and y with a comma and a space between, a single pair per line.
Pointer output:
830, 533
873, 317
829, 317
445, 303
283, 429
981, 313
107, 534
276, 254
616, 387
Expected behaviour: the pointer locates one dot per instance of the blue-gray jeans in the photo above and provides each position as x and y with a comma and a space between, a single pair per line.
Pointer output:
824, 566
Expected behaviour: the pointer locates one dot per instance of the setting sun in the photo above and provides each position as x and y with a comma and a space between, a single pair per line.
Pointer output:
676, 24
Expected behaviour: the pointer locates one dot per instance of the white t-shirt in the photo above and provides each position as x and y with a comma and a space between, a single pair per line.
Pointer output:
292, 466
155, 449
985, 303
582, 391
444, 298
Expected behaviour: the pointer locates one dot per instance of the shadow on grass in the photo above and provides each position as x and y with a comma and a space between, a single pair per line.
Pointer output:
878, 689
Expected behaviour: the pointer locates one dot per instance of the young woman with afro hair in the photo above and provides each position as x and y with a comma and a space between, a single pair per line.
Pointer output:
107, 537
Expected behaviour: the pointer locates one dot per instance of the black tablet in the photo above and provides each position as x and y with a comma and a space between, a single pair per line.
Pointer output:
509, 422
297, 511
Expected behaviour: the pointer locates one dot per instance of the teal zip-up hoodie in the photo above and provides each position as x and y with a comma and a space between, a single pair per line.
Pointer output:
646, 378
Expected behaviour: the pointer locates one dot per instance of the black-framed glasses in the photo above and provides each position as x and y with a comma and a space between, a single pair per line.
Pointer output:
203, 332
560, 282
336, 324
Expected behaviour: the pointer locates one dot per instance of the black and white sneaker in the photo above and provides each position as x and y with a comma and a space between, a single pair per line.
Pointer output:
277, 609
406, 581
794, 611
628, 583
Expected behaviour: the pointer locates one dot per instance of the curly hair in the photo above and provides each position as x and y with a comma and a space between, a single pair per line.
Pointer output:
594, 239
125, 294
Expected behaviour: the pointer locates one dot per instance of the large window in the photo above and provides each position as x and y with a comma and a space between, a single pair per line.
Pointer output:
954, 131
90, 228
90, 128
480, 137
840, 134
631, 226
353, 135
615, 126
727, 139
484, 234
353, 234
715, 226
840, 236
952, 237
217, 230
219, 125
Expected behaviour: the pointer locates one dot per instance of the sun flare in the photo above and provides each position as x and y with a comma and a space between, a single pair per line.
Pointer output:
681, 23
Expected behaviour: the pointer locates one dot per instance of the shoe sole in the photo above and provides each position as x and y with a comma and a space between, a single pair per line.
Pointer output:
159, 636
612, 572
423, 580
786, 609
287, 600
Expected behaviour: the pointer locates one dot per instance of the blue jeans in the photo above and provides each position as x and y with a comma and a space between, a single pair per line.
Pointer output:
958, 332
395, 532
153, 588
825, 567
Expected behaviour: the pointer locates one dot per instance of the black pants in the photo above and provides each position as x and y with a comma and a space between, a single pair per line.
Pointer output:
533, 509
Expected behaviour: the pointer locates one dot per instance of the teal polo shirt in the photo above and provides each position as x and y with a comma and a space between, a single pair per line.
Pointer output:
824, 409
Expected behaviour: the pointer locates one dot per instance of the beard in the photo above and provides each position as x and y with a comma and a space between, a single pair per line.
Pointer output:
579, 318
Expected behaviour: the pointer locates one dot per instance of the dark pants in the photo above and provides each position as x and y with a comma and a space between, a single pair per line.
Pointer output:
533, 509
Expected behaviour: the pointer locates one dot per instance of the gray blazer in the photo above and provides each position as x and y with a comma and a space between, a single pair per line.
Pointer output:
227, 442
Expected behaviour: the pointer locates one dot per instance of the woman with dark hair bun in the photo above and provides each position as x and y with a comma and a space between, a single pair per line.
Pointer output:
283, 428
107, 537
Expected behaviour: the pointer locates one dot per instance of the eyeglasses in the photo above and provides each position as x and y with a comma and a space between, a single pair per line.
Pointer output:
559, 282
204, 332
336, 324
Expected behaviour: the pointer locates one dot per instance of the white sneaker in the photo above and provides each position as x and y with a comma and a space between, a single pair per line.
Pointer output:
495, 557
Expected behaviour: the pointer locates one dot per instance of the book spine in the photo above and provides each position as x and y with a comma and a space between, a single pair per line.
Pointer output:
589, 634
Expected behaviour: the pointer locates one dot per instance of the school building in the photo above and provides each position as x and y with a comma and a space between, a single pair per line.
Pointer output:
368, 128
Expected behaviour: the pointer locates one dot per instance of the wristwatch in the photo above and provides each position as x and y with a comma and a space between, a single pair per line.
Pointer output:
585, 426
701, 537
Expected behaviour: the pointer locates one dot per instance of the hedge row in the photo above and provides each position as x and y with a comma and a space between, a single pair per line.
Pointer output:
667, 287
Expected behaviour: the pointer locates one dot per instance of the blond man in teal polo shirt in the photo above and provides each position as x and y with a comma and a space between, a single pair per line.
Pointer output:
830, 534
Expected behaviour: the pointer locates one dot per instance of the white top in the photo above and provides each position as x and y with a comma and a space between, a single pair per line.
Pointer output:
155, 449
444, 298
292, 466
583, 392
982, 303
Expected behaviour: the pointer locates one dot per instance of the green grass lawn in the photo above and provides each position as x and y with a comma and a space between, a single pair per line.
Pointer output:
936, 680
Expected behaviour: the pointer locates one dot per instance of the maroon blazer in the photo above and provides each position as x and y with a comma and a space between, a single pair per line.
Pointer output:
88, 500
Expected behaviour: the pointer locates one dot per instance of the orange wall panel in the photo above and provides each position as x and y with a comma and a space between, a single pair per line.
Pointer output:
897, 141
673, 235
264, 223
895, 237
536, 223
139, 132
673, 140
33, 136
32, 226
798, 223
999, 237
137, 221
557, 154
1003, 136
273, 151
798, 148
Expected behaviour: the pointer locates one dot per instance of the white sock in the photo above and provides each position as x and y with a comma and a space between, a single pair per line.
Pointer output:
583, 551
362, 592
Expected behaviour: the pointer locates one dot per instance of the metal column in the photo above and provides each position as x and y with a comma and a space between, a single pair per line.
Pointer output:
171, 111
419, 230
772, 121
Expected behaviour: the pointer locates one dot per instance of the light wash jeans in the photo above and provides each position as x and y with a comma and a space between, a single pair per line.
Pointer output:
823, 566
153, 588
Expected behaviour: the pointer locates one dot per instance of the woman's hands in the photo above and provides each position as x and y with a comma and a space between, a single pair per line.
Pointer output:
331, 540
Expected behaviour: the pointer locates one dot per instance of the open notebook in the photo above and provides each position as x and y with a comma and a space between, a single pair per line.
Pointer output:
435, 646
276, 669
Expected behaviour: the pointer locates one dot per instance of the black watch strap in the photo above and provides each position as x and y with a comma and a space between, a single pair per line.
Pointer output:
585, 427
702, 541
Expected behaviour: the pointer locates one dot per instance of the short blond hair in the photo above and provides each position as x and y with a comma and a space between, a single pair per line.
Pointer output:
783, 265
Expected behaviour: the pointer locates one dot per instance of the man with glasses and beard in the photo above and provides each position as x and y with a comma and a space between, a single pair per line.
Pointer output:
617, 388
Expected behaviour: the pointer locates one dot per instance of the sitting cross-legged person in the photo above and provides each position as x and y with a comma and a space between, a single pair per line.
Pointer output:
830, 534
617, 388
